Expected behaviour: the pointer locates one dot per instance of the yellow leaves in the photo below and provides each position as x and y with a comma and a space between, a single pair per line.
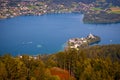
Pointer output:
94, 63
19, 63
33, 78
3, 72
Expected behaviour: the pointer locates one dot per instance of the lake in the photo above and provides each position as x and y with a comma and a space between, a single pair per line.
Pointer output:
47, 34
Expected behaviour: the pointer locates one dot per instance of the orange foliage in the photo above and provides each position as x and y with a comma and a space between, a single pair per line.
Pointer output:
63, 74
115, 9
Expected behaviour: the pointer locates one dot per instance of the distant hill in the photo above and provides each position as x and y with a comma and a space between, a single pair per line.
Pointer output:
68, 1
114, 2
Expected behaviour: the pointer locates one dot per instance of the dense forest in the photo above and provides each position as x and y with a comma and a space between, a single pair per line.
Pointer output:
91, 63
102, 17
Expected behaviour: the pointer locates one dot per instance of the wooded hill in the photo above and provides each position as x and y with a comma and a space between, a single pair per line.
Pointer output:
102, 17
92, 63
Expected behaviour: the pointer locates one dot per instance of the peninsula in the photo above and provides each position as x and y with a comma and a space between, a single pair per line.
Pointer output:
102, 16
76, 43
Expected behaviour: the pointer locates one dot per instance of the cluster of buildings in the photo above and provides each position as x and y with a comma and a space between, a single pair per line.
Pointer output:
10, 8
82, 7
37, 57
76, 43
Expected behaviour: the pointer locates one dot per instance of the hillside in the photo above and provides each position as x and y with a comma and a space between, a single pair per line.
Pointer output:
92, 63
101, 17
114, 2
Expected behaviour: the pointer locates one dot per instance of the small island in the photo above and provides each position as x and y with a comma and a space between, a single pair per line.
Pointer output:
76, 43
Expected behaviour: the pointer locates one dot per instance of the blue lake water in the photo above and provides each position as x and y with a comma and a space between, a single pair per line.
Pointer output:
48, 33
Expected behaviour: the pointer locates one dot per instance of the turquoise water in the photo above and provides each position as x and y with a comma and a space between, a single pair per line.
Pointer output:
48, 33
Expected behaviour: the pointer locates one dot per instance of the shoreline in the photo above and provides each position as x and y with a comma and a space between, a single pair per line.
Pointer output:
85, 21
77, 43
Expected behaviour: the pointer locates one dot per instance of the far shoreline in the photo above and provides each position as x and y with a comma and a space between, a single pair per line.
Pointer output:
85, 22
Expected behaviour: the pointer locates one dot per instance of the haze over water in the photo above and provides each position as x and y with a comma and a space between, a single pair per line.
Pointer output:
48, 33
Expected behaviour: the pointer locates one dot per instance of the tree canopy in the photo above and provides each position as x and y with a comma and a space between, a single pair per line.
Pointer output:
91, 63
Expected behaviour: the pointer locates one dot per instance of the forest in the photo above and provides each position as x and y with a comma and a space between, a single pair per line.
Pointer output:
102, 17
98, 62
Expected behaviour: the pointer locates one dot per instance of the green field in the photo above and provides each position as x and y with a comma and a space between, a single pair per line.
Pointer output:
115, 10
96, 9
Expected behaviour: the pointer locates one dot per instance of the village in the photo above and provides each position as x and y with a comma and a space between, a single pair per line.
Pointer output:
10, 9
76, 43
